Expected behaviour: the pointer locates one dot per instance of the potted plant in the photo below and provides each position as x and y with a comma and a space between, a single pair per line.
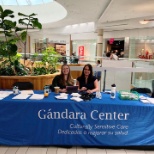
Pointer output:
12, 34
11, 68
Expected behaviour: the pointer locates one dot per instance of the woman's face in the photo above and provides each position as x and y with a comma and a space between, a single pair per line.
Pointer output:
86, 71
65, 70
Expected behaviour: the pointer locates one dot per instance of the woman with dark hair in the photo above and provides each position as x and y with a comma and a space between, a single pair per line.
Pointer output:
63, 80
87, 82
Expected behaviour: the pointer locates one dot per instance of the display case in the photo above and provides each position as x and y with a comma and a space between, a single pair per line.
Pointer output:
141, 48
143, 79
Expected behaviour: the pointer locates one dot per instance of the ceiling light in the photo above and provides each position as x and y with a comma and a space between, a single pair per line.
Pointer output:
24, 2
143, 22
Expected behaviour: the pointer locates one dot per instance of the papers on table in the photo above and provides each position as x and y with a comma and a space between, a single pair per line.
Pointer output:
77, 99
21, 96
27, 92
75, 95
24, 94
62, 96
4, 94
37, 96
151, 100
144, 99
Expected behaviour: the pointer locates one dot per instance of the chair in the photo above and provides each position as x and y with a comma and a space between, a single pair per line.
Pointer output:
142, 90
152, 85
24, 85
152, 89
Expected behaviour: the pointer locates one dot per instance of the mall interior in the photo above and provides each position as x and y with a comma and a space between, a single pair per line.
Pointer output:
88, 30
123, 26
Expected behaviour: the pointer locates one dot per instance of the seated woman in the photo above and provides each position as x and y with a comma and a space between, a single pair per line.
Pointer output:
63, 80
87, 82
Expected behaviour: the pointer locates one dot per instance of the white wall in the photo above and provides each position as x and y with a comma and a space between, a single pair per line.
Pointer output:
84, 36
129, 33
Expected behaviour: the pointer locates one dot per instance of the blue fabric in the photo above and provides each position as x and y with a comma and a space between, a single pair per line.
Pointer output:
99, 122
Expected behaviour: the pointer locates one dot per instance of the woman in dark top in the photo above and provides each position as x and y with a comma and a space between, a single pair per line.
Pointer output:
63, 80
87, 82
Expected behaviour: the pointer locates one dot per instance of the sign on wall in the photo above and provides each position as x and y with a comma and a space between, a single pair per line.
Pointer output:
81, 52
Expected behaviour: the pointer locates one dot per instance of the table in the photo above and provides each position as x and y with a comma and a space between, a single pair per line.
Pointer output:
99, 122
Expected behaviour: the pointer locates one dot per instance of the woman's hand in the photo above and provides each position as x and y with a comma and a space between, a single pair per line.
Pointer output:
83, 89
89, 91
63, 90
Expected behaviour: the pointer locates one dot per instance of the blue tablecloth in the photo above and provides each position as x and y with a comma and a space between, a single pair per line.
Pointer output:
99, 122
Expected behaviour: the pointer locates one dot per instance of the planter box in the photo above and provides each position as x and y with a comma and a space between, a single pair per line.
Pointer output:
39, 81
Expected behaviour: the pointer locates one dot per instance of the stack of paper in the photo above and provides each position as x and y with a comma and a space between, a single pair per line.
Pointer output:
4, 94
75, 95
77, 99
151, 100
37, 96
62, 96
21, 96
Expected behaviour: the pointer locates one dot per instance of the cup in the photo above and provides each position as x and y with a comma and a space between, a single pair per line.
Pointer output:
98, 95
56, 90
74, 82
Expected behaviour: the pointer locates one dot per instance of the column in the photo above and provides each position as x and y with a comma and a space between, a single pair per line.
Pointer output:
99, 43
99, 51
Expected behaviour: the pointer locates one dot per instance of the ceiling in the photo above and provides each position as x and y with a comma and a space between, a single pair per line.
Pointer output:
108, 15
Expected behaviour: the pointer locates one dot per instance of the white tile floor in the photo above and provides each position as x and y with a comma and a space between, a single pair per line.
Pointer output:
73, 150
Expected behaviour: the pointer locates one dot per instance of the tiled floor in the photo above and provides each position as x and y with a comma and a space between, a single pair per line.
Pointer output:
73, 150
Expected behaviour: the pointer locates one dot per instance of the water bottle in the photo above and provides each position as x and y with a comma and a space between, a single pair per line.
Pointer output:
15, 90
113, 91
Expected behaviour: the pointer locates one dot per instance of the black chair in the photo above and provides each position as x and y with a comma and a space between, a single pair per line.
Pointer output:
152, 89
142, 90
152, 85
24, 85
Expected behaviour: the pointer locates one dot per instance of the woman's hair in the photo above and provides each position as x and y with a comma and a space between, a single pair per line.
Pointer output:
91, 71
98, 61
108, 54
69, 77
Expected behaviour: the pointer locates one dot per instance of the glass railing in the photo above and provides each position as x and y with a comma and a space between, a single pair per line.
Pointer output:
125, 73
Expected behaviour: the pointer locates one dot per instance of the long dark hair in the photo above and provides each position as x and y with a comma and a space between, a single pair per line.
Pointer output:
91, 72
69, 77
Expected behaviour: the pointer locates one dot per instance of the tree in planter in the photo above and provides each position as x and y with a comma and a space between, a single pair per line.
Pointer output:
12, 34
29, 21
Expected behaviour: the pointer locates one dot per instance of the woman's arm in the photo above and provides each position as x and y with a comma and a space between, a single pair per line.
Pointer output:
55, 83
95, 89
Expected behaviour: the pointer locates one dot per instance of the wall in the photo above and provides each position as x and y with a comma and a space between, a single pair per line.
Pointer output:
129, 33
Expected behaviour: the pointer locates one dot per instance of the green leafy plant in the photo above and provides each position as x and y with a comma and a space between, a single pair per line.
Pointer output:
48, 63
12, 33
29, 21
